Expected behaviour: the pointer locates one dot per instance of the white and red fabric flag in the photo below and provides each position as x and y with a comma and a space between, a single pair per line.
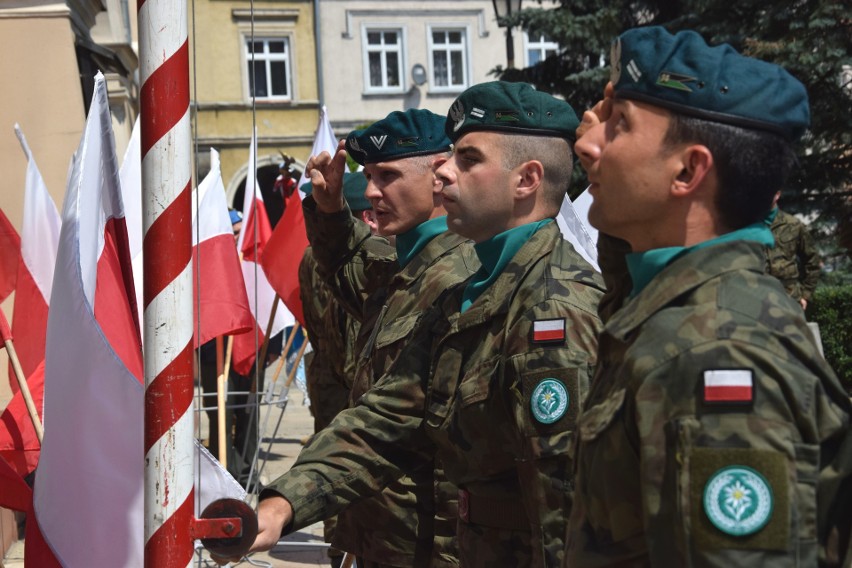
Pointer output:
10, 255
39, 238
130, 175
93, 390
19, 443
252, 240
220, 292
289, 240
91, 469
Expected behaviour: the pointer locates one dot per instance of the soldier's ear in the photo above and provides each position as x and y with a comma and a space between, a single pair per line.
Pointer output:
692, 169
530, 176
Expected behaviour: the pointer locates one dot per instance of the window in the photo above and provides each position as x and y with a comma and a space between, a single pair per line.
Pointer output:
538, 48
383, 60
269, 77
448, 53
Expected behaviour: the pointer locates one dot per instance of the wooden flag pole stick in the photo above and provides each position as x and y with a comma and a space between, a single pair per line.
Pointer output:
220, 402
296, 361
261, 365
6, 334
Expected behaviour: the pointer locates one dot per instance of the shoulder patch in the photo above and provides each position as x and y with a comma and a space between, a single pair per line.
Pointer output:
729, 386
738, 500
549, 401
549, 331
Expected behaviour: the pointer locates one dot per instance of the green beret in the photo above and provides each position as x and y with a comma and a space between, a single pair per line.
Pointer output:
415, 132
354, 186
512, 108
682, 73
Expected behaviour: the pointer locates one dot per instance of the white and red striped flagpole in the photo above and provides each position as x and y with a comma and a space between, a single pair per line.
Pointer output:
167, 297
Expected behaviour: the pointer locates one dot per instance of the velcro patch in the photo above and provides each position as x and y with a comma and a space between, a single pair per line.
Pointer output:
739, 498
549, 331
728, 386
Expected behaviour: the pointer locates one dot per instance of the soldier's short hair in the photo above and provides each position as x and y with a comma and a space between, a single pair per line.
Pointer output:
555, 155
751, 165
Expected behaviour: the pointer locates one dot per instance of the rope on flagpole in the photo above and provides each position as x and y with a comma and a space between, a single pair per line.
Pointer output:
167, 247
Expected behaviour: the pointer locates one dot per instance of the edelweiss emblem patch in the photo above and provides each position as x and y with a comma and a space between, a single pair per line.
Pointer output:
353, 143
457, 115
738, 500
549, 401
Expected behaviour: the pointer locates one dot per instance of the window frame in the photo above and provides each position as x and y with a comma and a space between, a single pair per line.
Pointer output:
431, 48
540, 45
287, 57
402, 58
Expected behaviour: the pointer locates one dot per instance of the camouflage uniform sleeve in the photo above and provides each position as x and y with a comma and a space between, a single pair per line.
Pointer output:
545, 473
352, 261
734, 482
364, 448
810, 262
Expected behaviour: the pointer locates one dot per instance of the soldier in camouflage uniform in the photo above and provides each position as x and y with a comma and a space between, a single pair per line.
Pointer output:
714, 433
793, 260
332, 333
492, 379
412, 522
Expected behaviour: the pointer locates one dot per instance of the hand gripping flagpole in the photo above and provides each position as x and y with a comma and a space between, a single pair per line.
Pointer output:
170, 525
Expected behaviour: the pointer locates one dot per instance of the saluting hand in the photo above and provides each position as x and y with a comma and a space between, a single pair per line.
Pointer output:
598, 113
326, 175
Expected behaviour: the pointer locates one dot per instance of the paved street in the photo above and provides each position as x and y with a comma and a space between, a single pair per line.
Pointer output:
299, 550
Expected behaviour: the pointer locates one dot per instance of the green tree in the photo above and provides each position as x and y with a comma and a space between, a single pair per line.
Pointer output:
810, 38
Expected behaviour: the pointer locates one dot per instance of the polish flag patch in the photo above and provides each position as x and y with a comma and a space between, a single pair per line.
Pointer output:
549, 331
729, 386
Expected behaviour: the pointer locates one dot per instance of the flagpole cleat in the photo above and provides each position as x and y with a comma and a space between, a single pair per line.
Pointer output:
227, 528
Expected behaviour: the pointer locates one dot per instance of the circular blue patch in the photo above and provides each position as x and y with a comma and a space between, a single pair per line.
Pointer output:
549, 401
738, 500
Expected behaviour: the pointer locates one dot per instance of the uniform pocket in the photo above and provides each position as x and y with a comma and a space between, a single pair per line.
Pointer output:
397, 329
476, 384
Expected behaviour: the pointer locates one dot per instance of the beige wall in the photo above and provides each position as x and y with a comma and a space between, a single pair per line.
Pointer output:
42, 93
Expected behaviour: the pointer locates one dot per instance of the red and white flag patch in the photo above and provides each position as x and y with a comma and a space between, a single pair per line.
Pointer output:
728, 385
549, 331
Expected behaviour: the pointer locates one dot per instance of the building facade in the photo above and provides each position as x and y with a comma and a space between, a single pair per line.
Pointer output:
380, 56
254, 68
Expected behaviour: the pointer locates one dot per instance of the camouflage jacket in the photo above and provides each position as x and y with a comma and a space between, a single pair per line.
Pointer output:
794, 259
464, 388
712, 427
331, 332
415, 512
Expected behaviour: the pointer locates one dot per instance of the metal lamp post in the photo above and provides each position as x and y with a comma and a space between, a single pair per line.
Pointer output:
504, 9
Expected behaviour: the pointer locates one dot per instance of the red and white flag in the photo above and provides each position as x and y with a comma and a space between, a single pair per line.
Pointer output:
39, 238
289, 240
130, 175
221, 300
91, 469
728, 386
93, 392
19, 443
253, 237
10, 255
